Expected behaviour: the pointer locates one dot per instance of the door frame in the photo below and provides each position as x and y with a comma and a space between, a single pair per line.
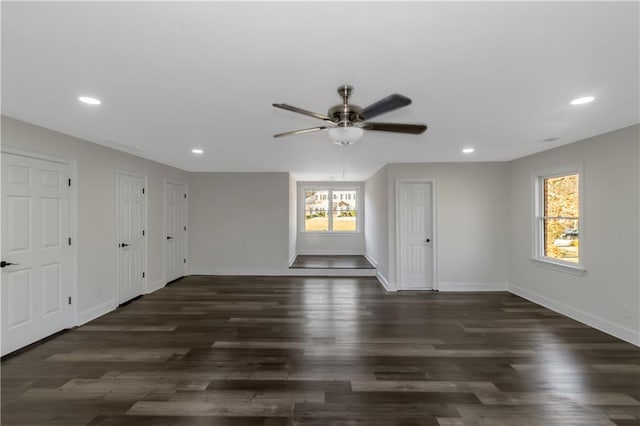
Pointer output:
145, 226
434, 230
73, 215
185, 267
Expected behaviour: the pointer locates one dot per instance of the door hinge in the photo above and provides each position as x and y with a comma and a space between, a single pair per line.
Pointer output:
143, 232
69, 181
185, 227
185, 261
143, 275
69, 240
143, 190
185, 195
69, 299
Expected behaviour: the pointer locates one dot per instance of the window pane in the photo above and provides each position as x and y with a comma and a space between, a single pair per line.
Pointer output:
316, 209
561, 214
561, 239
561, 196
344, 220
344, 211
344, 200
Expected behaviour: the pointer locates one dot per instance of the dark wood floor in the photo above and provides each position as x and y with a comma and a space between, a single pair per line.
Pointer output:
323, 351
331, 262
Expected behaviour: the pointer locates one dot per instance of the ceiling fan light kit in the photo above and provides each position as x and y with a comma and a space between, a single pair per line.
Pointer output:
346, 123
345, 135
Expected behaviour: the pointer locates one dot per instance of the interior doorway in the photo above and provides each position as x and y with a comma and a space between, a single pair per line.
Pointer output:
38, 262
175, 196
415, 235
131, 235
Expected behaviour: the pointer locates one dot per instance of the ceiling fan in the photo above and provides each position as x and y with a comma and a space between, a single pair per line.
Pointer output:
345, 122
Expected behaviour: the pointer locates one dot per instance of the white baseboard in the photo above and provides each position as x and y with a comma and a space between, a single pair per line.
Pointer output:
472, 286
288, 272
325, 272
385, 283
408, 288
332, 252
238, 271
96, 311
154, 286
616, 330
292, 258
371, 260
383, 280
337, 272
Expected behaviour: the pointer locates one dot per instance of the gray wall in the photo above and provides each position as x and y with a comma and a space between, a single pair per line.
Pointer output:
293, 218
607, 295
96, 239
471, 222
239, 223
376, 228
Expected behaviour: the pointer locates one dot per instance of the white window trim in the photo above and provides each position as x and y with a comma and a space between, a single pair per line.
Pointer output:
537, 256
330, 187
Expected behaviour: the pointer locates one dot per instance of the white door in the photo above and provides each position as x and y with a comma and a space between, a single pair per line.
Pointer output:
416, 236
131, 236
175, 230
36, 255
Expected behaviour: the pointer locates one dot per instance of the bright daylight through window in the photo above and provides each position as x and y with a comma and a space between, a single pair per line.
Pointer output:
558, 218
330, 210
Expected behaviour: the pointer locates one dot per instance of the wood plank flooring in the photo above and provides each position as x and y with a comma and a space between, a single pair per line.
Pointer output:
275, 351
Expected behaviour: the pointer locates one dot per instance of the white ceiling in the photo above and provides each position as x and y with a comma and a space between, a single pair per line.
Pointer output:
174, 75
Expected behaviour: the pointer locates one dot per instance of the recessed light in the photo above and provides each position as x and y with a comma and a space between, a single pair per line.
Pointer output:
90, 101
197, 151
468, 150
582, 100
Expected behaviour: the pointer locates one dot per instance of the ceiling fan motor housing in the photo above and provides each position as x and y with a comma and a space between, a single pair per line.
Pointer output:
345, 115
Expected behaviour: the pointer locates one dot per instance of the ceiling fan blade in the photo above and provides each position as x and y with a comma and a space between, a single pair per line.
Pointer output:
385, 105
414, 129
303, 111
301, 132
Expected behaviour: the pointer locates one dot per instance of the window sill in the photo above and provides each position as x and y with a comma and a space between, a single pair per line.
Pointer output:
331, 232
577, 270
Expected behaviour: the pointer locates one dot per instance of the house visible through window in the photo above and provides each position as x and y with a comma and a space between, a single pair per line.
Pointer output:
558, 218
330, 210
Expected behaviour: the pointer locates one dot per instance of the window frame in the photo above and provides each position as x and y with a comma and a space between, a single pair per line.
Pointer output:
538, 255
330, 188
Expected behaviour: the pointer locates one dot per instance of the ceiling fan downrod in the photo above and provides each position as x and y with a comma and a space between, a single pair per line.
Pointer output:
345, 115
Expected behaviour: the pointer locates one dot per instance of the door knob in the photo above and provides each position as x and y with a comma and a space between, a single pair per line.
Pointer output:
3, 264
124, 245
428, 240
169, 238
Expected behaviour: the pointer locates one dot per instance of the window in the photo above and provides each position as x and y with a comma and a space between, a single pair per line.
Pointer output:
558, 219
330, 210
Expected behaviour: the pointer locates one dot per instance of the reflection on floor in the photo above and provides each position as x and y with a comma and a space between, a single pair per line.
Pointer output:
331, 262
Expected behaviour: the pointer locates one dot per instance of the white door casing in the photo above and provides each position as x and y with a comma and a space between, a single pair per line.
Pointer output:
415, 236
131, 238
175, 230
37, 291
